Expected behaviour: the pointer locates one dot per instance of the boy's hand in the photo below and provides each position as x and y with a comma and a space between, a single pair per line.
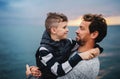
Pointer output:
90, 54
95, 52
35, 71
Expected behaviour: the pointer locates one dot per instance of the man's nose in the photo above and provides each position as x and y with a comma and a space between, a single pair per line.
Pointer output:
76, 31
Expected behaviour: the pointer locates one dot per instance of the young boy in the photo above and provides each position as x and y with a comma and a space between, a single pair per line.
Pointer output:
52, 57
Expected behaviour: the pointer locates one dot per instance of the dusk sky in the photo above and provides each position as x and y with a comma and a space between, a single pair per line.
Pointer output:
33, 12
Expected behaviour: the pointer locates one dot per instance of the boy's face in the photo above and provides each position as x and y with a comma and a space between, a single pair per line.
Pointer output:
61, 31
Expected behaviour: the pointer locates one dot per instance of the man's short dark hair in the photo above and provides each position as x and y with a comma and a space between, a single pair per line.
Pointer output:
98, 23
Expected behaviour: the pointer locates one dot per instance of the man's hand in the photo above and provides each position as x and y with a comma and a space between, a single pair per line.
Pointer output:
28, 72
35, 71
90, 54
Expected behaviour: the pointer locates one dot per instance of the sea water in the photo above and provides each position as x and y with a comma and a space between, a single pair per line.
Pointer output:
18, 45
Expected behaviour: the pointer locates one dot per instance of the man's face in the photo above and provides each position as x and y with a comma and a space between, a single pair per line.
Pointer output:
62, 30
83, 33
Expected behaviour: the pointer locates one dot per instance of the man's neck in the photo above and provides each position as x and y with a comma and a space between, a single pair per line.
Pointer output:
86, 47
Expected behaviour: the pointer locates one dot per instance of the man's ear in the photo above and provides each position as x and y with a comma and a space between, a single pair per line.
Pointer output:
94, 34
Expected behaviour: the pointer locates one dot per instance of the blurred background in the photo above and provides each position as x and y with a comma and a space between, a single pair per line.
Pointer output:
22, 25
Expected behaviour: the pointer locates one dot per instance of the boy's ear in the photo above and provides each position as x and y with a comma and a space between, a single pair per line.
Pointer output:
94, 34
53, 30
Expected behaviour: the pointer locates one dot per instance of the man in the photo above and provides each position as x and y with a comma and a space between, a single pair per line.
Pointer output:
92, 30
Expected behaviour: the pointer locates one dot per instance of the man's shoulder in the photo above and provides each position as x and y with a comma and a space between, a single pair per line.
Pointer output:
89, 63
86, 69
86, 65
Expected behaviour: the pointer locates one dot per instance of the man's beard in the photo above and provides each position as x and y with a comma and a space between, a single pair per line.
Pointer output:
81, 42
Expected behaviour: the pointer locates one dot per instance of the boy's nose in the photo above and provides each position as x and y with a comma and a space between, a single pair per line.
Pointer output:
67, 29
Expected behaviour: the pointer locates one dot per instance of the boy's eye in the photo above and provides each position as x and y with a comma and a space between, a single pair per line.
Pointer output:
65, 27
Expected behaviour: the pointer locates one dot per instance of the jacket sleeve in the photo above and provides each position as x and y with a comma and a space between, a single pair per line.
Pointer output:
56, 68
69, 44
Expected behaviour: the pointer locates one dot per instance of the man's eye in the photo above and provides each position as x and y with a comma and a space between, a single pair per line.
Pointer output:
81, 28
